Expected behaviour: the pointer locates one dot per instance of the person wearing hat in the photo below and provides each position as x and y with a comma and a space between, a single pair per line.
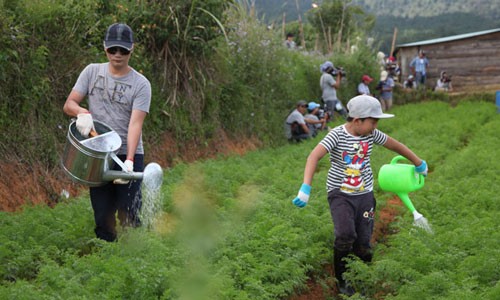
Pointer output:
313, 120
363, 88
386, 86
410, 83
295, 125
329, 86
350, 180
120, 97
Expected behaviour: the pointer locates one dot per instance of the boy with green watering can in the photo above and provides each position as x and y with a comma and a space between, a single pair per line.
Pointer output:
350, 179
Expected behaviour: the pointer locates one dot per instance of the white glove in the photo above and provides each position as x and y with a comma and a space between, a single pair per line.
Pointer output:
130, 165
84, 123
130, 168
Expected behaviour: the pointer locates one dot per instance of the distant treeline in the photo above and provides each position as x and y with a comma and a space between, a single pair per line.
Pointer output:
424, 28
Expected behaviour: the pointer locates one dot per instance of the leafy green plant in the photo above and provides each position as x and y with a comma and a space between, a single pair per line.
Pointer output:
228, 229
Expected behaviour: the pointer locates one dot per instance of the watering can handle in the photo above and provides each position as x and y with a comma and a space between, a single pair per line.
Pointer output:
421, 178
93, 133
397, 158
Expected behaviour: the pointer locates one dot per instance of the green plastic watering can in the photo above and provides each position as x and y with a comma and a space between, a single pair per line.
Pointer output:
400, 179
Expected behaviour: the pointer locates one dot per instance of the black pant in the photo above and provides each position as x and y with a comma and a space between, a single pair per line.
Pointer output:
126, 199
353, 219
298, 133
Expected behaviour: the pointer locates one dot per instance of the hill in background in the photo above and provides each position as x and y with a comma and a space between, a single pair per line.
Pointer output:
415, 20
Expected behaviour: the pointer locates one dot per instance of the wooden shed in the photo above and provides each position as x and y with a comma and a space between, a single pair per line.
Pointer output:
472, 59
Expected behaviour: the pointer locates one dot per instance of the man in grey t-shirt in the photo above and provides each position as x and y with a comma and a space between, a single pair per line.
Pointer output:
120, 97
295, 125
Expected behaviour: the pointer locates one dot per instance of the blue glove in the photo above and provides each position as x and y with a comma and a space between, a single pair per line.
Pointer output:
422, 169
303, 196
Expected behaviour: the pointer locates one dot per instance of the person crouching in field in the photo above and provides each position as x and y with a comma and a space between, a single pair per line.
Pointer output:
295, 125
350, 180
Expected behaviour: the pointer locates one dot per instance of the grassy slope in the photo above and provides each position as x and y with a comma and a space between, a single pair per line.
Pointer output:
229, 231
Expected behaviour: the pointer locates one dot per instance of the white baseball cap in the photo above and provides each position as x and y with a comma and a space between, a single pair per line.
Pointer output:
383, 75
364, 106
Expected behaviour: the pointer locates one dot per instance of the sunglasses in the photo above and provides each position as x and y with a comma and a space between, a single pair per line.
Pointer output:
113, 50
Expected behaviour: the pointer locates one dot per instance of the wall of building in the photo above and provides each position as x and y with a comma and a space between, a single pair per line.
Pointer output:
473, 63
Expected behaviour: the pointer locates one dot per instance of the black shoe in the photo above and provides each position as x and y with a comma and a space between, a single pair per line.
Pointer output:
345, 288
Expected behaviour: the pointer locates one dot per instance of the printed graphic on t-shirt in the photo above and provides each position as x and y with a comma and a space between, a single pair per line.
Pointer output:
115, 93
98, 86
353, 181
119, 91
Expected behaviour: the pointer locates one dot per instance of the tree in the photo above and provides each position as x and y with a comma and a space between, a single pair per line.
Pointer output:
336, 21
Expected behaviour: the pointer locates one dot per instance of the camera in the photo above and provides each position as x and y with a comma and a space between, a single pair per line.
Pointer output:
447, 79
321, 113
338, 70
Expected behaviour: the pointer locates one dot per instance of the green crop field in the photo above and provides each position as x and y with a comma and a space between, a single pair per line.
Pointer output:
227, 228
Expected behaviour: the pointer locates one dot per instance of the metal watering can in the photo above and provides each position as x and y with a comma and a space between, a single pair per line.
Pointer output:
88, 160
402, 179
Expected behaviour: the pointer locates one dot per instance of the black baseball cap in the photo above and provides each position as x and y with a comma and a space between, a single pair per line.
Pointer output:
119, 35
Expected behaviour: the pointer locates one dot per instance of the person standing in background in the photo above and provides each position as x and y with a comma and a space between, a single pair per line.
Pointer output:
329, 86
419, 66
363, 88
386, 87
289, 42
120, 97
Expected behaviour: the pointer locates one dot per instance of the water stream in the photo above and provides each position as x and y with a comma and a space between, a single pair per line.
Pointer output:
423, 224
151, 194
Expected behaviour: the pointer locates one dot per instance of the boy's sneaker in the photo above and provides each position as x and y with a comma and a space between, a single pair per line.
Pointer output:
345, 288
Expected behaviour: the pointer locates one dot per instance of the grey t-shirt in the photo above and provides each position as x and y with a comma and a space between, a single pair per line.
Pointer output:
112, 99
294, 116
329, 92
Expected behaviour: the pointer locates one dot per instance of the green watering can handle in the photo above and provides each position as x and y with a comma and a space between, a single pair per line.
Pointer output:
397, 158
421, 178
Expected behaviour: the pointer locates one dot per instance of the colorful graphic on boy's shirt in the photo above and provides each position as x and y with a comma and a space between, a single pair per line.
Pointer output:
353, 181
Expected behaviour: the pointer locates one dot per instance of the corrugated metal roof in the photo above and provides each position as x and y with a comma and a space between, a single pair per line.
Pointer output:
449, 38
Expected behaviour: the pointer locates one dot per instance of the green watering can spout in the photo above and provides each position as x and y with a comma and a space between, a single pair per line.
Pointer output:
407, 202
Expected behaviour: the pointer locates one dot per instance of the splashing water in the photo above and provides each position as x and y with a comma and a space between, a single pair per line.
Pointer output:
151, 194
423, 223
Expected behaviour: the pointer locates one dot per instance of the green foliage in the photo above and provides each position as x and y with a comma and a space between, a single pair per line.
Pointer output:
262, 79
337, 16
212, 64
36, 62
228, 229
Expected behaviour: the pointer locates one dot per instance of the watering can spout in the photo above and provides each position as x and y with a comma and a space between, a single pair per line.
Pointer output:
407, 202
111, 175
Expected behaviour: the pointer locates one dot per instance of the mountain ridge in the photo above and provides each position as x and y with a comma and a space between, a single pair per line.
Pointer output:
415, 20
